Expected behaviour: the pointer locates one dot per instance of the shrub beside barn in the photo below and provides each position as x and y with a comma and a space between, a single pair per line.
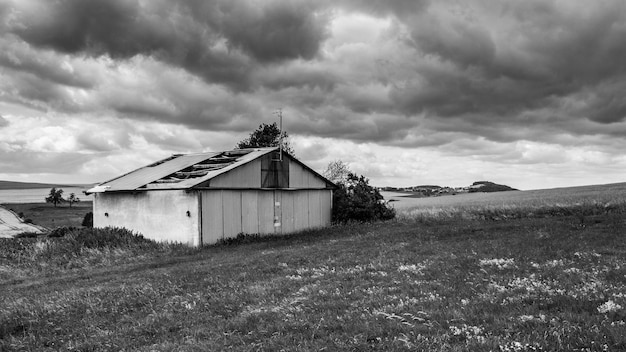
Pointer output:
206, 197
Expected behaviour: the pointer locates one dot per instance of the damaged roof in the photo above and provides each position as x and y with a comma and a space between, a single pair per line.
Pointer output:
181, 171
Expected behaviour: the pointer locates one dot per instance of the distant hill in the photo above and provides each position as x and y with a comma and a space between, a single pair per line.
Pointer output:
27, 185
486, 186
436, 191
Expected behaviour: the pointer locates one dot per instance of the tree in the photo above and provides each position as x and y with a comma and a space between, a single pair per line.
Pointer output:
266, 136
73, 199
55, 196
337, 172
356, 200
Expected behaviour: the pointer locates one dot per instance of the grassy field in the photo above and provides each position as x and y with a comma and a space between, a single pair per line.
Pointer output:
514, 203
451, 283
49, 216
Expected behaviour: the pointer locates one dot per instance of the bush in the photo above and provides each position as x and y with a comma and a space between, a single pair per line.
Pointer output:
356, 200
61, 231
88, 220
26, 235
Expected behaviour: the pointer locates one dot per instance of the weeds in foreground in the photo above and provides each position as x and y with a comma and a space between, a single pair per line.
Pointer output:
74, 248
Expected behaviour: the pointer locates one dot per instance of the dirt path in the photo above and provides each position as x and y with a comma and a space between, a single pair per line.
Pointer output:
11, 225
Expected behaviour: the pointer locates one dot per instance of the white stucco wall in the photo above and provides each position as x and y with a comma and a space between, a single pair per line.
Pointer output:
158, 215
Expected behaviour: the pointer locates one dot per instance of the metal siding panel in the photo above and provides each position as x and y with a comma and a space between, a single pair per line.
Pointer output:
247, 176
315, 182
265, 203
299, 177
326, 204
250, 211
315, 213
212, 217
301, 210
287, 207
232, 213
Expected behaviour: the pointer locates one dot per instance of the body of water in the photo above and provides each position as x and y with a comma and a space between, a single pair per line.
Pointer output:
38, 195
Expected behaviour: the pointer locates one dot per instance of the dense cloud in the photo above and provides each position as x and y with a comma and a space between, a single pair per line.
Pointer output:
221, 41
468, 77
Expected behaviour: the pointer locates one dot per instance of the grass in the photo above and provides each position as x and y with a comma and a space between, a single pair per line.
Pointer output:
451, 283
49, 216
564, 197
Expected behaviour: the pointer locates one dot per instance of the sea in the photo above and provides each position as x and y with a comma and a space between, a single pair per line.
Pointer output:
38, 195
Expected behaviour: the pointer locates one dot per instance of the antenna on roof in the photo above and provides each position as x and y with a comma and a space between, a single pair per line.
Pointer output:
279, 113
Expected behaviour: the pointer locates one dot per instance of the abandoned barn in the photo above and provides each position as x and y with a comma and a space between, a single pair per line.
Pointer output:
205, 197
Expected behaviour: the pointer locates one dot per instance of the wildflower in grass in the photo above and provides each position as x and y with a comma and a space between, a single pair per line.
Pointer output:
584, 255
500, 263
555, 263
527, 318
608, 307
515, 346
619, 295
413, 268
468, 332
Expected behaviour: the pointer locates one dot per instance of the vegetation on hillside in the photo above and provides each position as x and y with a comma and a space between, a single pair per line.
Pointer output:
448, 284
435, 191
486, 186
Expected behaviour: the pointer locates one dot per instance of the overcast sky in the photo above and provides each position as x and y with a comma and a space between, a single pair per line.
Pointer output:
529, 93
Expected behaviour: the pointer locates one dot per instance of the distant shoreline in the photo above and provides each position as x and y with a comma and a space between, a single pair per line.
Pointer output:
7, 185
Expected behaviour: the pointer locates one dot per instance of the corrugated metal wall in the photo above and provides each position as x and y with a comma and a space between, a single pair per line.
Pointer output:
227, 213
246, 176
299, 177
249, 176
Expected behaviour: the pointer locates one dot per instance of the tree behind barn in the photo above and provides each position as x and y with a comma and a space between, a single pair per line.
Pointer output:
337, 172
355, 199
267, 135
55, 196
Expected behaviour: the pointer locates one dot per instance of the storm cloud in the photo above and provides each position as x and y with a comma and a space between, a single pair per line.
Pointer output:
450, 77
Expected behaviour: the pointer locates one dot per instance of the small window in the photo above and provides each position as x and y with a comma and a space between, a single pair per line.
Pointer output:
274, 173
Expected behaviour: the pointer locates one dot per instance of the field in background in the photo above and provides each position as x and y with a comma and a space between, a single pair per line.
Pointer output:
46, 215
514, 203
